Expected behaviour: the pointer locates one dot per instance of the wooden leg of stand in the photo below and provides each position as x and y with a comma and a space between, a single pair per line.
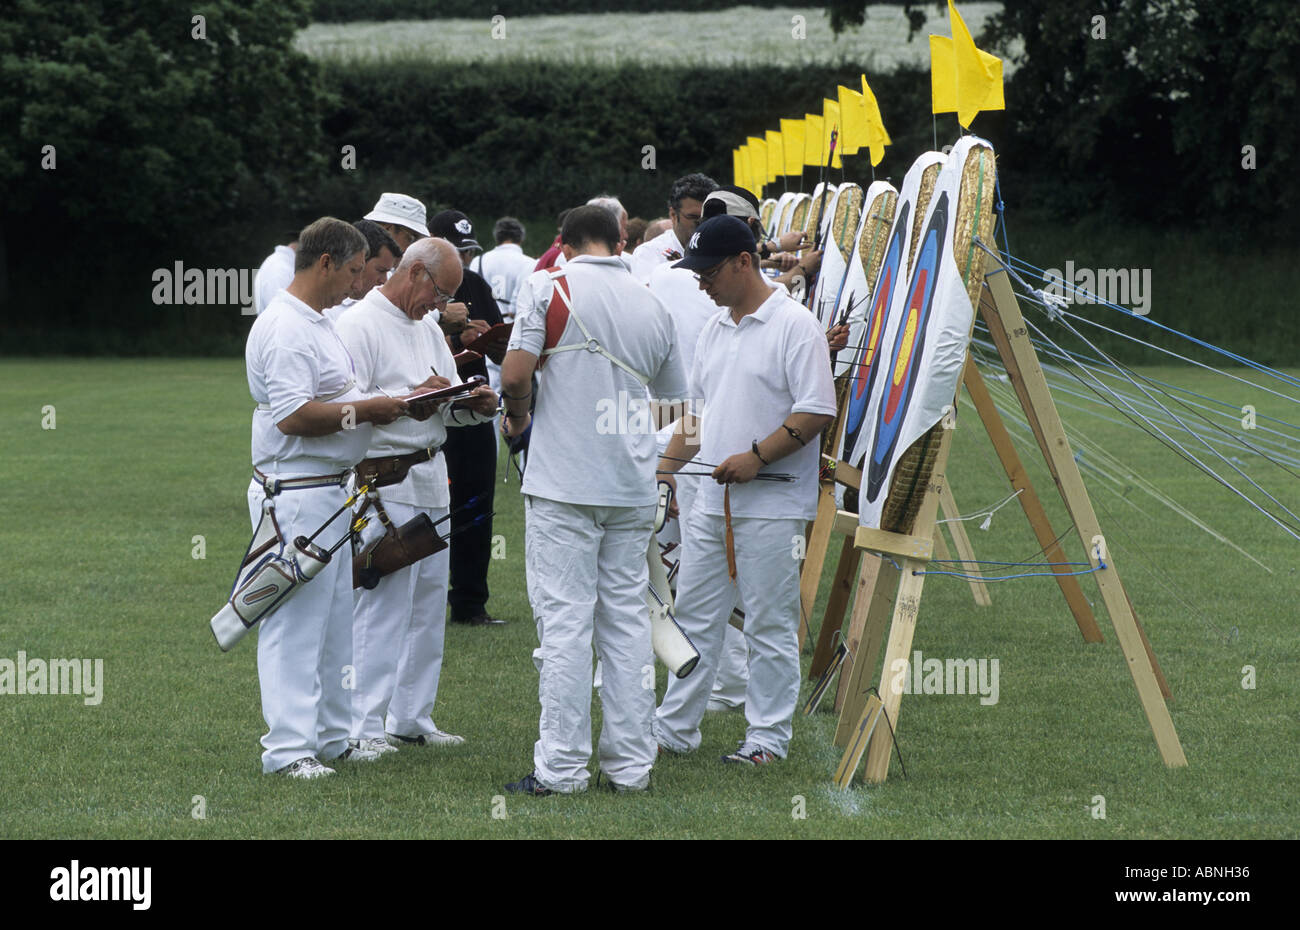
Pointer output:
819, 539
1030, 503
1011, 336
901, 630
961, 542
837, 606
871, 608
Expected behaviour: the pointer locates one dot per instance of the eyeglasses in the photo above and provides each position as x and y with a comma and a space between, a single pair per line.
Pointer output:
441, 296
708, 276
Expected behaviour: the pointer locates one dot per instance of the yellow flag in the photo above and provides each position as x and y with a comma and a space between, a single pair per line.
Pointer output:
792, 133
746, 172
853, 114
812, 140
877, 138
737, 170
831, 123
775, 155
758, 162
963, 79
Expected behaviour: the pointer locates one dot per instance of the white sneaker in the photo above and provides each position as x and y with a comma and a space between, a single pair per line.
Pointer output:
718, 706
356, 754
376, 744
306, 767
436, 738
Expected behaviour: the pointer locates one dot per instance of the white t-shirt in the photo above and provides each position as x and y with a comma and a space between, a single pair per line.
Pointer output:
503, 268
649, 255
593, 439
294, 355
751, 377
333, 313
274, 274
393, 353
679, 291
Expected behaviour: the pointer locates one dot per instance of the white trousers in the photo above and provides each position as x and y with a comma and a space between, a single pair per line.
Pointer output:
767, 578
587, 577
305, 647
733, 664
397, 642
732, 680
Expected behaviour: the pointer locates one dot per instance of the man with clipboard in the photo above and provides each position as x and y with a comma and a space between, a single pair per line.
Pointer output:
399, 625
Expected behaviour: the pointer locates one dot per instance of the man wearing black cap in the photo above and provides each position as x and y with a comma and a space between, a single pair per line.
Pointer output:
761, 376
472, 450
691, 309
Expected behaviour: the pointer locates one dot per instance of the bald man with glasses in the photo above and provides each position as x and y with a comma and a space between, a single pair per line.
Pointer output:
399, 625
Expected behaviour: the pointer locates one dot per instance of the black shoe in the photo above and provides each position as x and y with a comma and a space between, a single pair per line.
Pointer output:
479, 619
529, 785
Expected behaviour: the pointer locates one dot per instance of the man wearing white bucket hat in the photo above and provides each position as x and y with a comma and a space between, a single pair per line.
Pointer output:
402, 216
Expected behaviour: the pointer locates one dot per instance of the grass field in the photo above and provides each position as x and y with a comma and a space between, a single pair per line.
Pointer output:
102, 514
740, 35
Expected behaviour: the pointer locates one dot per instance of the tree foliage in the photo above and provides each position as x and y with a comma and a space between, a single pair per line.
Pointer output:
153, 128
1153, 103
1146, 107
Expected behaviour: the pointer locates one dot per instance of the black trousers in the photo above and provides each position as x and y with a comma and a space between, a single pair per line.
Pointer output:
471, 467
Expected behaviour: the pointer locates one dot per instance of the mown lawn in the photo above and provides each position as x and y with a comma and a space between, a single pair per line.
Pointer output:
102, 514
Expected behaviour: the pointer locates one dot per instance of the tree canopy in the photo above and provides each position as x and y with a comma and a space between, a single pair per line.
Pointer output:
154, 113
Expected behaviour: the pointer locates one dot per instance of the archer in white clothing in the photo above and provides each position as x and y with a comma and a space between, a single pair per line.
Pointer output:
590, 496
311, 425
762, 376
399, 625
685, 206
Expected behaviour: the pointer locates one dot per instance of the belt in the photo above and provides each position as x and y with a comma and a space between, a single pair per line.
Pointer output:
273, 486
384, 470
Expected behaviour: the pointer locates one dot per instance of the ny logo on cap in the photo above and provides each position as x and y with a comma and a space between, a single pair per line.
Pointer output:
695, 242
463, 227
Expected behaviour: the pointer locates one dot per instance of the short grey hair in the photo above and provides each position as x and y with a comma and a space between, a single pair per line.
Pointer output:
610, 203
329, 236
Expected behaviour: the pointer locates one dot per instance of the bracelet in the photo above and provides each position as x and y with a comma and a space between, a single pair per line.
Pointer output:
520, 397
754, 449
516, 416
795, 433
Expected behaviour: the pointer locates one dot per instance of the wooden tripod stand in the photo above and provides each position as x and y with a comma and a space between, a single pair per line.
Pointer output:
888, 593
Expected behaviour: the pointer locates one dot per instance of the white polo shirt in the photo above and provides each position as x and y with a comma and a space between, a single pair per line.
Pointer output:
274, 274
751, 377
294, 355
658, 251
593, 439
691, 309
504, 268
393, 354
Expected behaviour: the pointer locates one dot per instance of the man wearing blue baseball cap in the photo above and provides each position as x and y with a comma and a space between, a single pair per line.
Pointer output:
761, 376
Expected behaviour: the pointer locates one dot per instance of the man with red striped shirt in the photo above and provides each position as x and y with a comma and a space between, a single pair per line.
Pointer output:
589, 498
